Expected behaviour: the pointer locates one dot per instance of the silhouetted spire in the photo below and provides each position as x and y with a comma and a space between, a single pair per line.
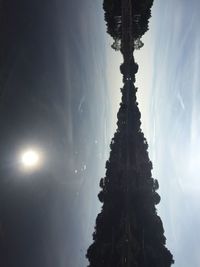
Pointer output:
128, 231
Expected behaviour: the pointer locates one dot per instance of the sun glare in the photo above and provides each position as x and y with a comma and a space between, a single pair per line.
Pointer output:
30, 159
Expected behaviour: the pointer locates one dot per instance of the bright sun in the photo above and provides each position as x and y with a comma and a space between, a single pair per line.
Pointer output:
30, 158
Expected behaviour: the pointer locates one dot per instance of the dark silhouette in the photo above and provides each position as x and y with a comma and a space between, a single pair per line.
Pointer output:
140, 15
128, 230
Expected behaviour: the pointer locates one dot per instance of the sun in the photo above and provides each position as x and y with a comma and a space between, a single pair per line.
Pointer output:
30, 159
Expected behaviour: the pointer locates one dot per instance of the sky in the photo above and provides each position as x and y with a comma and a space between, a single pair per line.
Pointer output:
54, 98
60, 92
169, 100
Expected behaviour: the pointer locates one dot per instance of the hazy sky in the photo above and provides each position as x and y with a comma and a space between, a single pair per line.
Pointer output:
54, 98
169, 96
61, 95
